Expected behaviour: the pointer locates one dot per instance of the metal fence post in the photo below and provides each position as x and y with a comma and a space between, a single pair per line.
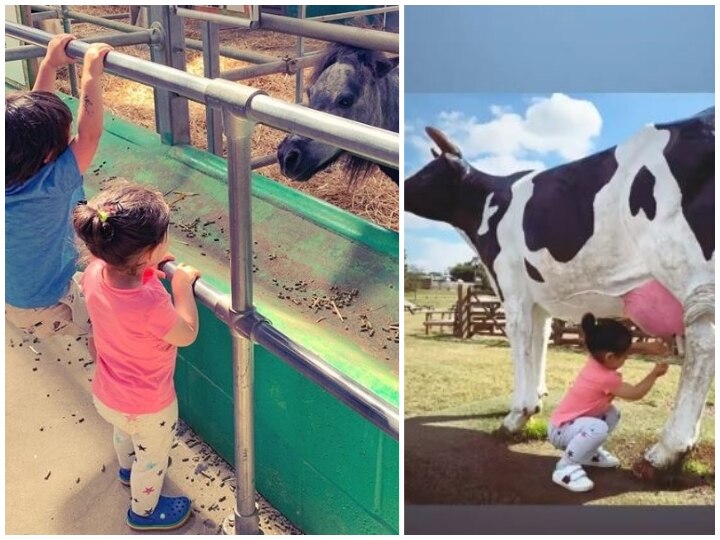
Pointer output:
300, 50
211, 68
239, 140
72, 70
172, 115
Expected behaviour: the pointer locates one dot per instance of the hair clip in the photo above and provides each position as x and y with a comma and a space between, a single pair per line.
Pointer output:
102, 216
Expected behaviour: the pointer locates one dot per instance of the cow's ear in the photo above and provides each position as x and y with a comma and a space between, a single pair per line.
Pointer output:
460, 167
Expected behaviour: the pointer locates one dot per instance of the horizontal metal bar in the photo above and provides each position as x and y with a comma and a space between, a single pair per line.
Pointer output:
43, 15
98, 21
256, 328
143, 37
353, 14
289, 66
329, 129
235, 54
263, 161
53, 14
358, 37
115, 16
218, 18
369, 142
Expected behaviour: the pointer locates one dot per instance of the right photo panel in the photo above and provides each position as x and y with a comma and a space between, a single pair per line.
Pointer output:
559, 226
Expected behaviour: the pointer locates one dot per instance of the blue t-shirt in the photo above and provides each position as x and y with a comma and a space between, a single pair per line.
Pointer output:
40, 252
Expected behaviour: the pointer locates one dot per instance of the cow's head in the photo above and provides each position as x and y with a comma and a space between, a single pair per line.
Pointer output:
434, 191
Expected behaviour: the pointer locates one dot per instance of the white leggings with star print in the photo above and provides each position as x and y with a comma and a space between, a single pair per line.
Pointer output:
142, 443
581, 438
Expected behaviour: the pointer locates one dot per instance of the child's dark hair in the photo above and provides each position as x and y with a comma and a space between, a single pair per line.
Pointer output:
605, 336
122, 223
37, 127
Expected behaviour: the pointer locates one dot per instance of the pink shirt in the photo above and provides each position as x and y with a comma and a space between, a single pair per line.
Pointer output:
135, 367
590, 394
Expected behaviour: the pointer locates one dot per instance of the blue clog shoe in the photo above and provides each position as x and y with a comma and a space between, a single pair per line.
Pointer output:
124, 476
170, 513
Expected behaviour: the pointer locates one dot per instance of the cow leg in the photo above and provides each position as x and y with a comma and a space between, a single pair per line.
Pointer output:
698, 370
526, 329
541, 338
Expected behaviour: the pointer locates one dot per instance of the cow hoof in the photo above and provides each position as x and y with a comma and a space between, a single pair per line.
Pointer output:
515, 421
644, 470
660, 457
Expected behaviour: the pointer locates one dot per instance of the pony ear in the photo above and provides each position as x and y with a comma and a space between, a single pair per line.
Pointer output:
383, 67
434, 152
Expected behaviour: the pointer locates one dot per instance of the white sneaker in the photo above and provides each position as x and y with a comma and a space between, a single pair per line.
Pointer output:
573, 477
604, 459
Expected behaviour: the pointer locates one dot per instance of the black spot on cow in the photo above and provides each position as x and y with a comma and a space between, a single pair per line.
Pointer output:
641, 194
690, 154
533, 272
559, 215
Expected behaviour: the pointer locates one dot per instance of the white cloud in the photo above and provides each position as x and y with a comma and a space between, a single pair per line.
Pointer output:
439, 255
556, 124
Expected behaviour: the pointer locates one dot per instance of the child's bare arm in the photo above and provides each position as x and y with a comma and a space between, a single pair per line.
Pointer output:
635, 392
656, 348
186, 328
55, 58
90, 115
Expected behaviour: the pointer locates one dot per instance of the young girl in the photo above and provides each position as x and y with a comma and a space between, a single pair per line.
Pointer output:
585, 417
44, 164
137, 331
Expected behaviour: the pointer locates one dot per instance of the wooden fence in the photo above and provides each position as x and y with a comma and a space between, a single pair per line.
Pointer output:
477, 313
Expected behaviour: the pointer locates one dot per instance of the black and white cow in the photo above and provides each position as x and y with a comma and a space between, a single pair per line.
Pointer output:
575, 238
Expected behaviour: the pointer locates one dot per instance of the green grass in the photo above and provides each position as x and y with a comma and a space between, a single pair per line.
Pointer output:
536, 429
468, 384
696, 467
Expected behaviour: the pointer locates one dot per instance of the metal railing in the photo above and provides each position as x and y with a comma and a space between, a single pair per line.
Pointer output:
372, 143
266, 64
359, 37
141, 37
242, 106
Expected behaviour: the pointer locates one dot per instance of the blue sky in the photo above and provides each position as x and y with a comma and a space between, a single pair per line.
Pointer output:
504, 133
559, 48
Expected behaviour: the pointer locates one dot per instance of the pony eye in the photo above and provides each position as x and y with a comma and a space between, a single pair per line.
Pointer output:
345, 102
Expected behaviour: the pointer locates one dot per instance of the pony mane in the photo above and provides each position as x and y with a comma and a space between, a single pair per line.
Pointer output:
357, 169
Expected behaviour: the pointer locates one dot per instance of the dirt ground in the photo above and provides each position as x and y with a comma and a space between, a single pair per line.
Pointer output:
376, 199
457, 393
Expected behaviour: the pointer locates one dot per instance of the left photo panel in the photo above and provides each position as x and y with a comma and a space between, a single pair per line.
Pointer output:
202, 269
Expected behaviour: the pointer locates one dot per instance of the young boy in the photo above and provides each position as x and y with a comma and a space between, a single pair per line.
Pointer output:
43, 183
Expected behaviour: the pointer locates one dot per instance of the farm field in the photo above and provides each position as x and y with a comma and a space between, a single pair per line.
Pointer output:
457, 394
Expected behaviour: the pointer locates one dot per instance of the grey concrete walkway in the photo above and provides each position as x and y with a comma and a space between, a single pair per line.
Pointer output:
60, 467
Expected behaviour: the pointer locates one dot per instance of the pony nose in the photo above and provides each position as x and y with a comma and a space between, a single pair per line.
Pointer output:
291, 160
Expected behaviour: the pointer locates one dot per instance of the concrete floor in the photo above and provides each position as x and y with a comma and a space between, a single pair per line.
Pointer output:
60, 466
